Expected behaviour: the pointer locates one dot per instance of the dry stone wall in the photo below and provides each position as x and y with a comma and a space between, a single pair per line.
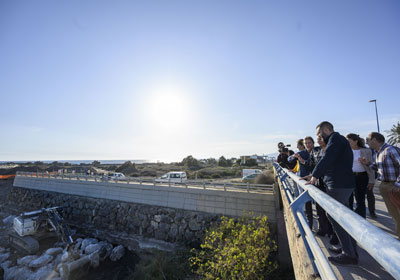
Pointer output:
163, 223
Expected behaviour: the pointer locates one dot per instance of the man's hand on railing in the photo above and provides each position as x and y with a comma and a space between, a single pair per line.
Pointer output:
307, 178
312, 181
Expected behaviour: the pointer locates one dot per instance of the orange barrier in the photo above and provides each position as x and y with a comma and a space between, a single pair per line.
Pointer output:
4, 177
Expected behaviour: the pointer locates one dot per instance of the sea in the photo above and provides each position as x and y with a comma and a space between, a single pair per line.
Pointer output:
137, 161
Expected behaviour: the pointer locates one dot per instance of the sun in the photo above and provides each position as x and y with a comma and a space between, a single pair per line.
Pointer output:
169, 109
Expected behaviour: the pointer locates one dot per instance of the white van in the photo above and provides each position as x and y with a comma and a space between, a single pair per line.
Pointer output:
247, 172
116, 176
173, 177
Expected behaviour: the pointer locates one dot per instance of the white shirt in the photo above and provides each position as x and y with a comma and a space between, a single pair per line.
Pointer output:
357, 165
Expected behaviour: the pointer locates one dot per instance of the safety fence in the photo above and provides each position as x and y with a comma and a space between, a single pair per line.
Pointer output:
381, 246
197, 184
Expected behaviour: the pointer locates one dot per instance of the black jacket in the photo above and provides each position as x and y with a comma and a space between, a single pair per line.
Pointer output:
336, 164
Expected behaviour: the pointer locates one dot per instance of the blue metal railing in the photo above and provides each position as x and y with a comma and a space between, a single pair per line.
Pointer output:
381, 246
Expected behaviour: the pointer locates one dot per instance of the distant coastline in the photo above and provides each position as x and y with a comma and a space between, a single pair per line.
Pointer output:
138, 161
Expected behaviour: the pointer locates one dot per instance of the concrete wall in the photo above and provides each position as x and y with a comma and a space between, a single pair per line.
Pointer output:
230, 203
301, 262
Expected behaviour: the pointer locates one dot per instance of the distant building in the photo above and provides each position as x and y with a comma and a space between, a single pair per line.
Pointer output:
259, 159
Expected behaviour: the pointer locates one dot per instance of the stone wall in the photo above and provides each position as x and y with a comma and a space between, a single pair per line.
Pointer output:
163, 223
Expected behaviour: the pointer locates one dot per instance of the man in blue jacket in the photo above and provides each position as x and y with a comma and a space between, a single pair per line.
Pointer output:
336, 169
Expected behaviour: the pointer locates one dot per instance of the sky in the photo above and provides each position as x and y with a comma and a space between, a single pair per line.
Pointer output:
161, 80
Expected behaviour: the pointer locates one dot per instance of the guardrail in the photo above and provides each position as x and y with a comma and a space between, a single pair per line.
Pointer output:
381, 246
205, 185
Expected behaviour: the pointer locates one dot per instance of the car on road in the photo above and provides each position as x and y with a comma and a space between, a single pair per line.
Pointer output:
172, 177
116, 176
247, 172
250, 178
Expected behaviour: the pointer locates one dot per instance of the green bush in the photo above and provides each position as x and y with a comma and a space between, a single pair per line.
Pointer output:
241, 249
128, 168
162, 265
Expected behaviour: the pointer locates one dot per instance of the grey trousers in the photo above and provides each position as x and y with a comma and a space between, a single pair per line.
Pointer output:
346, 241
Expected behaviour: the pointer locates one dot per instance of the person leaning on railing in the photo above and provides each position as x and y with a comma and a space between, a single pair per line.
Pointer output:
316, 154
336, 168
388, 166
306, 147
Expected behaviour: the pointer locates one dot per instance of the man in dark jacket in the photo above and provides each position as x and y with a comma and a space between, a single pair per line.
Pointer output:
336, 169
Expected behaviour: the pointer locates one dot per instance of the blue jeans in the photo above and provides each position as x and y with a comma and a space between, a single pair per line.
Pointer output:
346, 241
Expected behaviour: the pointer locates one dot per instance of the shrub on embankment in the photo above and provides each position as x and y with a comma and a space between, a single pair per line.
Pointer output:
236, 249
267, 177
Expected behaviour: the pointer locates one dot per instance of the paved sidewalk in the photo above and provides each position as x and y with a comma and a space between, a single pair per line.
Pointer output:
367, 268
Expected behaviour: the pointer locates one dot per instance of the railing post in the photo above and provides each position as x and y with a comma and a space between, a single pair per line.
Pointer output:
204, 185
298, 207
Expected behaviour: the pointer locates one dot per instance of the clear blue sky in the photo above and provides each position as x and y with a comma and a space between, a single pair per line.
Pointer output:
160, 80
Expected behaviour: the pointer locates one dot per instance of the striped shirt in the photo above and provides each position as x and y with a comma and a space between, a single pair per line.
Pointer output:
388, 163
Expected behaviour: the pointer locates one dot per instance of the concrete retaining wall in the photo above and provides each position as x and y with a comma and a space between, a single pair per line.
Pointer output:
230, 203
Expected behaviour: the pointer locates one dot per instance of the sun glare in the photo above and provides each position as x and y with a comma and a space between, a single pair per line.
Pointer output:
169, 110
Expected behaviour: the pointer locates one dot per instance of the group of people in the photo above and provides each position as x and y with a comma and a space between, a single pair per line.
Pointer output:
345, 169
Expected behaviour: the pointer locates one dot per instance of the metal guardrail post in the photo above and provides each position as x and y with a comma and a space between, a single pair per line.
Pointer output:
297, 207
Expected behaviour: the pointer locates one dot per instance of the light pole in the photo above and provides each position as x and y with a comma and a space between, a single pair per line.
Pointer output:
376, 111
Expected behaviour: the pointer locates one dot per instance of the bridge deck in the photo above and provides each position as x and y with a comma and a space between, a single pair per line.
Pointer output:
367, 267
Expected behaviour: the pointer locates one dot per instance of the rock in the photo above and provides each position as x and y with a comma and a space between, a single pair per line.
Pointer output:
65, 256
188, 235
92, 248
105, 250
88, 241
17, 272
160, 235
154, 224
4, 256
26, 260
45, 272
157, 218
165, 219
5, 265
117, 253
41, 261
193, 225
54, 251
9, 220
173, 232
94, 259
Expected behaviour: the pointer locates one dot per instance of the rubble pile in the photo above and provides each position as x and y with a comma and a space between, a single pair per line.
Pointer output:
58, 263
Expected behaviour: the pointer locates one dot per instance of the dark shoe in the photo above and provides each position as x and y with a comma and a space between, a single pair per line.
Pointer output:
334, 240
336, 250
343, 259
321, 232
373, 215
